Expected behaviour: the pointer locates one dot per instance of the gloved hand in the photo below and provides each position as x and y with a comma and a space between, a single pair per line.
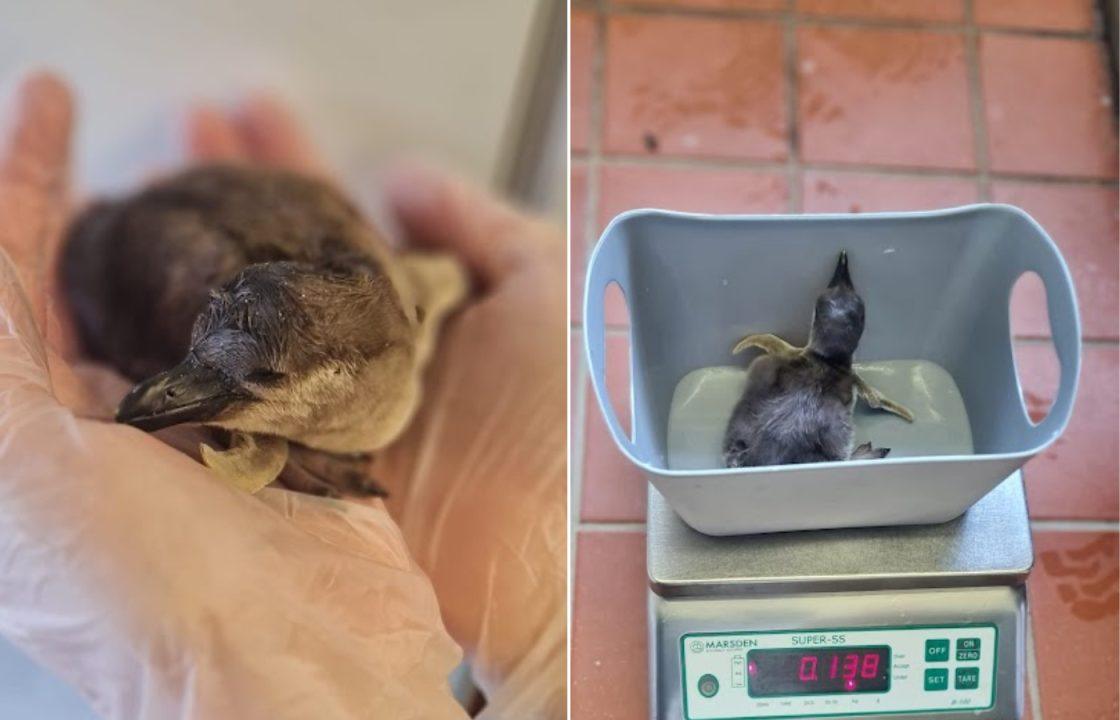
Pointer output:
478, 481
125, 567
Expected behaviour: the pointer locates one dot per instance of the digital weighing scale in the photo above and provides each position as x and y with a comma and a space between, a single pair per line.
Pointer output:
917, 621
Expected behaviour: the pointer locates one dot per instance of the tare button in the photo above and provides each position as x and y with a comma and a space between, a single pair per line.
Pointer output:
968, 678
937, 651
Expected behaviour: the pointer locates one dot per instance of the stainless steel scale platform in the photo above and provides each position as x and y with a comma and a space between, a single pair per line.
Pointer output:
922, 622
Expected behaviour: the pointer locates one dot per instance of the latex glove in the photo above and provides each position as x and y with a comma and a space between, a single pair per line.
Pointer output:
134, 574
478, 481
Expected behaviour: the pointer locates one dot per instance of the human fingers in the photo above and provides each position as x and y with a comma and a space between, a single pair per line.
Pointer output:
273, 136
439, 211
34, 169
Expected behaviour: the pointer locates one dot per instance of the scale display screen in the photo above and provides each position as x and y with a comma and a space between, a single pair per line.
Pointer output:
839, 672
785, 672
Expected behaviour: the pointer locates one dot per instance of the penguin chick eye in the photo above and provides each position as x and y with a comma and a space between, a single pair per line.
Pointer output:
265, 377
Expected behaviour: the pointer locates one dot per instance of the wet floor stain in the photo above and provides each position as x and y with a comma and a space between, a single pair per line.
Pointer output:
1086, 577
696, 86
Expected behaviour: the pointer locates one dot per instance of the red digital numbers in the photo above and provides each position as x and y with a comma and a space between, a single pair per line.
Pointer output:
870, 668
807, 671
845, 667
823, 671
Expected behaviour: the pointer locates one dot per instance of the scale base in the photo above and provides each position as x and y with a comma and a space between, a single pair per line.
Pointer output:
941, 606
673, 624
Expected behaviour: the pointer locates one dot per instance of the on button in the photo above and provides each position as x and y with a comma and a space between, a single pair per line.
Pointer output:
708, 685
968, 649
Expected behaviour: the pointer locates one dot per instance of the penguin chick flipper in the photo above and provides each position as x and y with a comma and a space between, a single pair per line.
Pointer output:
875, 400
250, 463
439, 285
866, 452
770, 344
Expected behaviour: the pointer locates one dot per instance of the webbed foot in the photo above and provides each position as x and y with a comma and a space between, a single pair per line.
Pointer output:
866, 452
323, 473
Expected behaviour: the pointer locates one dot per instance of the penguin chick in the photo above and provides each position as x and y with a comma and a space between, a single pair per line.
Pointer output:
797, 404
261, 302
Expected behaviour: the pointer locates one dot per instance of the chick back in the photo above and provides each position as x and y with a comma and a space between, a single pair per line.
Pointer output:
793, 410
139, 270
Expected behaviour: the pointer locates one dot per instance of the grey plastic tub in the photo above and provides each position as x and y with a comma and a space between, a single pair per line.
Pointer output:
937, 287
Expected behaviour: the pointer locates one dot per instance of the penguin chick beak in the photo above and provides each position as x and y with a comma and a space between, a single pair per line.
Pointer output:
185, 393
841, 278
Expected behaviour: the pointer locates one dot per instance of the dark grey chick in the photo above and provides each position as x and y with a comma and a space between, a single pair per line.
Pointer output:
797, 404
261, 302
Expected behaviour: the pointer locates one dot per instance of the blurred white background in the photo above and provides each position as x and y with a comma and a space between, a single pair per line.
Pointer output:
477, 85
449, 79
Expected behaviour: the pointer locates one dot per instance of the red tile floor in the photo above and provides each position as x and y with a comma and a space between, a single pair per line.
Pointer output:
858, 105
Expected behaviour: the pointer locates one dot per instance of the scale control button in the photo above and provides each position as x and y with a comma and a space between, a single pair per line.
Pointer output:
937, 679
968, 678
708, 685
937, 651
968, 649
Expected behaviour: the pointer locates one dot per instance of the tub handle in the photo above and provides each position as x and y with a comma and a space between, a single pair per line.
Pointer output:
1044, 259
608, 264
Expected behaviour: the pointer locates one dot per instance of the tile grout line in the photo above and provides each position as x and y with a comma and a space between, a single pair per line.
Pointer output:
579, 442
718, 163
976, 103
1033, 687
655, 10
1105, 342
595, 137
1046, 525
616, 527
590, 211
794, 199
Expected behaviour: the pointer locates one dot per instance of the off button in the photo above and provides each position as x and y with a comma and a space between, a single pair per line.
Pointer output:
937, 651
708, 685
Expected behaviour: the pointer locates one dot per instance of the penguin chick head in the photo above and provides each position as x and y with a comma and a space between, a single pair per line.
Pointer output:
274, 349
837, 318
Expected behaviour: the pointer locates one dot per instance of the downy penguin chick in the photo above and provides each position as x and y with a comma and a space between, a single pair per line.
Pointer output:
797, 404
261, 302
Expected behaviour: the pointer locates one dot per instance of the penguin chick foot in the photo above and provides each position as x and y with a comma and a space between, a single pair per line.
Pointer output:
875, 400
866, 452
250, 463
736, 455
770, 344
333, 475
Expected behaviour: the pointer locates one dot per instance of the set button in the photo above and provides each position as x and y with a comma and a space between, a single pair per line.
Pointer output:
937, 679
